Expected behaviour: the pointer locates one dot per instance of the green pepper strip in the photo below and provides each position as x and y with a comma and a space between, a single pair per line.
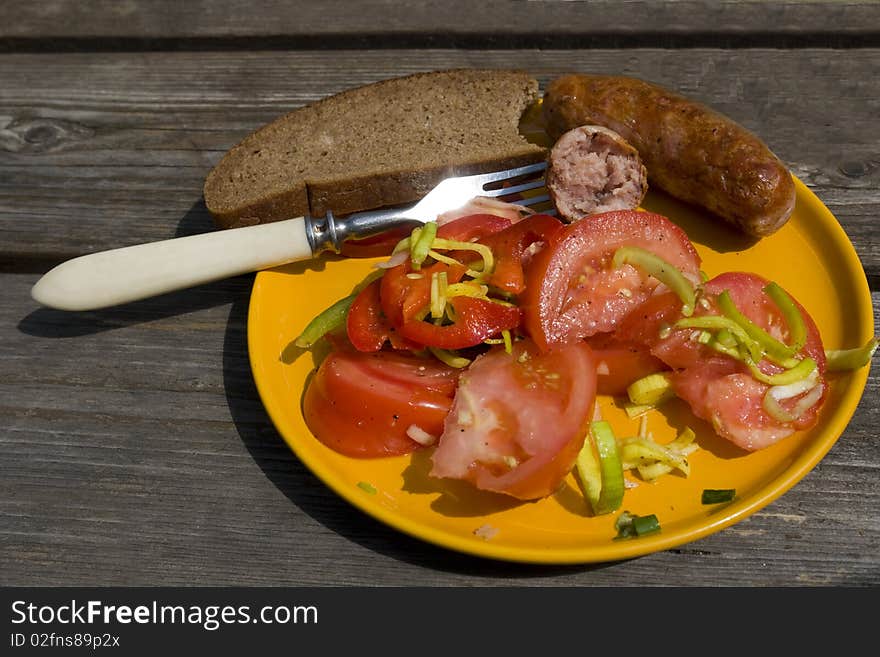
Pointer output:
796, 328
661, 270
724, 323
422, 239
841, 360
603, 480
776, 351
329, 320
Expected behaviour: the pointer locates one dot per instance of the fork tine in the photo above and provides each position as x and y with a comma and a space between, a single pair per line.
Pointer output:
504, 191
495, 176
534, 200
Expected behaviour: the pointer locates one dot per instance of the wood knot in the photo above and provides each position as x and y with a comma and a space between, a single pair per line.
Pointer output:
39, 135
856, 169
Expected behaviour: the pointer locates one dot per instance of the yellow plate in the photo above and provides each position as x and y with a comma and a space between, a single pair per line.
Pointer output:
810, 256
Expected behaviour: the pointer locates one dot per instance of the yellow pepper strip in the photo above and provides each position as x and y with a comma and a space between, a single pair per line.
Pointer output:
776, 351
467, 289
420, 243
508, 342
482, 250
797, 330
438, 294
504, 339
450, 357
664, 272
841, 360
602, 477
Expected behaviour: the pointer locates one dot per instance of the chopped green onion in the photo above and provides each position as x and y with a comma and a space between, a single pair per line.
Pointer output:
367, 487
726, 338
642, 451
775, 350
797, 330
650, 390
635, 410
717, 496
719, 323
661, 270
683, 446
840, 360
420, 244
646, 524
775, 409
329, 320
800, 371
630, 525
602, 478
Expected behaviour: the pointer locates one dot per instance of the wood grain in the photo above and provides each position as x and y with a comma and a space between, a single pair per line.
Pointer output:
105, 150
136, 451
454, 23
135, 446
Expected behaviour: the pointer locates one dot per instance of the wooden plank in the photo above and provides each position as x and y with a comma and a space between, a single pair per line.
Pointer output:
136, 451
335, 23
102, 150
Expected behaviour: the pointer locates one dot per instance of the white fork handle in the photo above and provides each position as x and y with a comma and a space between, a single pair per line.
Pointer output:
136, 272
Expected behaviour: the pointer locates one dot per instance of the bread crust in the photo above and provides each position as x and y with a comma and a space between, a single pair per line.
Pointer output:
689, 150
382, 144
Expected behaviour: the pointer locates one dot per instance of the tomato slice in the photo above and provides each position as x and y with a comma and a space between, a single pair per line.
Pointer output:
573, 291
721, 389
361, 404
519, 420
619, 363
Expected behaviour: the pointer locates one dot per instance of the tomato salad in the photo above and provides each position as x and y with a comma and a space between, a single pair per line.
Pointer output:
487, 338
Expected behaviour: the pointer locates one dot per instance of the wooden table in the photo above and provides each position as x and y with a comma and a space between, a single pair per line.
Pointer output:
135, 449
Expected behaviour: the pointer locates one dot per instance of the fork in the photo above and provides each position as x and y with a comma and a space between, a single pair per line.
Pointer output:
131, 273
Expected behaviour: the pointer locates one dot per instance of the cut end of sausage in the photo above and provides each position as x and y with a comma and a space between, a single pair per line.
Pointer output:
593, 169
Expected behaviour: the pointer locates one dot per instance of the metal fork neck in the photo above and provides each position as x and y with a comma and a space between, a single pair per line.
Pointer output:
329, 232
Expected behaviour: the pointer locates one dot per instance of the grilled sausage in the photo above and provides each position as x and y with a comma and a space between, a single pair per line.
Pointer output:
593, 169
690, 151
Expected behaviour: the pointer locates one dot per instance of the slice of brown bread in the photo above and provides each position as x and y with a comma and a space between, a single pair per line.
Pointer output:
382, 144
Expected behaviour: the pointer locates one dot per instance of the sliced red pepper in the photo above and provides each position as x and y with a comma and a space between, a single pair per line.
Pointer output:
476, 320
510, 245
404, 298
474, 226
367, 326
